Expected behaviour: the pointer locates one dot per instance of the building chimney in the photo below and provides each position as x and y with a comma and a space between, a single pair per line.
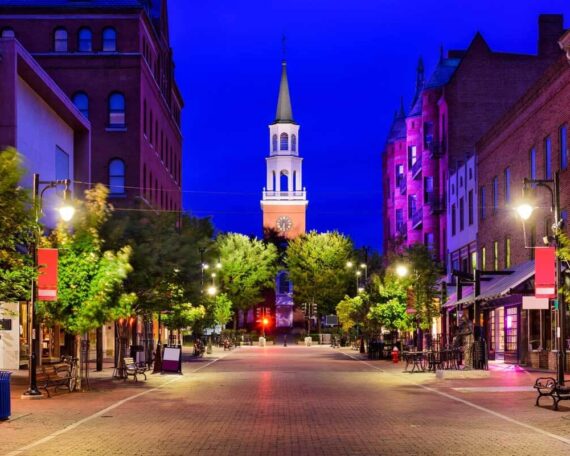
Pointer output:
550, 29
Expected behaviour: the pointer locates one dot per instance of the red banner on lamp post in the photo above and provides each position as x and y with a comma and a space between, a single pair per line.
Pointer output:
545, 272
47, 274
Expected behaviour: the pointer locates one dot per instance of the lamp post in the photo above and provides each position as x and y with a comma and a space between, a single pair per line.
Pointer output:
525, 210
66, 212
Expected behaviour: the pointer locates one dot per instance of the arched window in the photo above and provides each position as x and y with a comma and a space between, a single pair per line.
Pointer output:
109, 40
284, 141
60, 40
116, 110
294, 183
7, 32
117, 177
294, 143
284, 181
274, 143
81, 102
273, 182
84, 41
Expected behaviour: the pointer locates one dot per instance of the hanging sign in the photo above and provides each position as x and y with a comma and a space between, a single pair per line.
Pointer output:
532, 303
545, 273
47, 274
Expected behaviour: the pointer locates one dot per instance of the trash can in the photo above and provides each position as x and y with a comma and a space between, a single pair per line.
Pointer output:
5, 410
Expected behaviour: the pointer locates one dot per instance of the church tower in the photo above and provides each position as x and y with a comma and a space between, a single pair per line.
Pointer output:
284, 202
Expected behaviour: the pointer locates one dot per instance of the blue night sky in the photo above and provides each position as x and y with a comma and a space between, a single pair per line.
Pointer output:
348, 62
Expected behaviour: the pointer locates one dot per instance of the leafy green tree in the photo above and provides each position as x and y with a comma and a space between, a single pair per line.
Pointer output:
389, 311
317, 266
424, 274
352, 311
222, 309
90, 279
248, 267
17, 226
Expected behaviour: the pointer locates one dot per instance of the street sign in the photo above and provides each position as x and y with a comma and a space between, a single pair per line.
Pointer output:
532, 303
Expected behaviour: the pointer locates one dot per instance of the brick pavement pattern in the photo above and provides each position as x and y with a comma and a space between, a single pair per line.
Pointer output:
291, 401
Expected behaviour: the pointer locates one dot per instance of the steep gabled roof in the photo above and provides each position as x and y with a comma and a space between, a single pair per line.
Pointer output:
442, 73
398, 128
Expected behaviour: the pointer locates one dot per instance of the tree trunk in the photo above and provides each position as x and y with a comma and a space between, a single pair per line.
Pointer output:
77, 349
99, 348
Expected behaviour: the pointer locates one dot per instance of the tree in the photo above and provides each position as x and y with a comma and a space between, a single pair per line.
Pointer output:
222, 309
17, 226
317, 266
352, 311
248, 267
90, 279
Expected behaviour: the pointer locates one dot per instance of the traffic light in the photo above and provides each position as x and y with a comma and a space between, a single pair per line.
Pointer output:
314, 308
257, 313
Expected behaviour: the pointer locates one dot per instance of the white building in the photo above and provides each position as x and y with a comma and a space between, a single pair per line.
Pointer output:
462, 217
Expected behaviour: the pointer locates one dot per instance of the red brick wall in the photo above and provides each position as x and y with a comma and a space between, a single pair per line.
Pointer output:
539, 114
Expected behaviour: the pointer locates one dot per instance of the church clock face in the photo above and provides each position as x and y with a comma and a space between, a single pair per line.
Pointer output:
284, 223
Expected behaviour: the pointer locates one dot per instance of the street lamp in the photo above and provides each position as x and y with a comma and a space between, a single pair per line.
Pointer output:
525, 210
402, 270
211, 290
66, 212
349, 264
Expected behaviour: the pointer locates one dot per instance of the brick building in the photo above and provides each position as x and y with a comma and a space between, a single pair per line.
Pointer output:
466, 93
113, 59
530, 141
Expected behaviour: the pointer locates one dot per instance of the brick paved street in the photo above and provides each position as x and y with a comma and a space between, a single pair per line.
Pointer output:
291, 401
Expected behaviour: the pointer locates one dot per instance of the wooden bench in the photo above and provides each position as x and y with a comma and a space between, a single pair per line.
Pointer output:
55, 375
133, 369
548, 386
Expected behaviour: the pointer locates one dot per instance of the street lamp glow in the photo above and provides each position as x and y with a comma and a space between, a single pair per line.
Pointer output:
358, 273
525, 211
212, 290
218, 265
66, 212
349, 264
205, 266
363, 266
360, 290
402, 270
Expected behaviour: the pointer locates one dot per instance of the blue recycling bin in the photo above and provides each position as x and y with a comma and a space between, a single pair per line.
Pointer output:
5, 409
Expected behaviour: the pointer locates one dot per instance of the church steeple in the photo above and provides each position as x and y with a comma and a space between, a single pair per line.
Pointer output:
284, 112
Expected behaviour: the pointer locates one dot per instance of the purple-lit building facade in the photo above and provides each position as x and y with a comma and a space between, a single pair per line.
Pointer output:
113, 60
464, 96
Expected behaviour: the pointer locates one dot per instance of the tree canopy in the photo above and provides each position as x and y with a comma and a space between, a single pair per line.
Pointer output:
317, 266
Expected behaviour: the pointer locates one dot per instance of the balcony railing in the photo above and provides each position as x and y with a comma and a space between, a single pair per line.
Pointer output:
416, 168
417, 218
285, 196
402, 186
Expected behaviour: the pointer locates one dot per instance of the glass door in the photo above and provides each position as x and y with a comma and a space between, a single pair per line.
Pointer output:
511, 323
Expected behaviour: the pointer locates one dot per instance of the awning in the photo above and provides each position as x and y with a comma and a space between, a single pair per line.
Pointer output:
495, 288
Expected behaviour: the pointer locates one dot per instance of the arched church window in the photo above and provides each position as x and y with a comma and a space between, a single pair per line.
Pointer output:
284, 141
274, 143
274, 182
284, 181
294, 143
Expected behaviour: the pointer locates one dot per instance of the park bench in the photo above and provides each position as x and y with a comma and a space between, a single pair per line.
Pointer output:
548, 386
56, 375
133, 369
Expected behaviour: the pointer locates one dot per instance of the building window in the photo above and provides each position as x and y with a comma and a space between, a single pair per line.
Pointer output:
60, 40
495, 194
473, 261
84, 42
294, 143
399, 220
117, 110
412, 156
495, 255
470, 207
507, 185
483, 259
61, 164
412, 200
482, 203
109, 40
461, 214
274, 143
81, 102
563, 141
144, 118
428, 190
507, 253
399, 174
7, 32
533, 163
548, 158
428, 241
428, 135
117, 177
284, 141
453, 221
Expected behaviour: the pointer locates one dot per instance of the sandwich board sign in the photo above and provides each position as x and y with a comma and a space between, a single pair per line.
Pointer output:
172, 360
